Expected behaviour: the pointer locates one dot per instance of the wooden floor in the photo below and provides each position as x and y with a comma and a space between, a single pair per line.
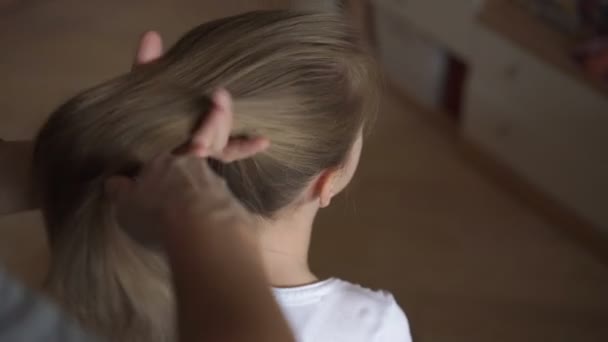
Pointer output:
467, 260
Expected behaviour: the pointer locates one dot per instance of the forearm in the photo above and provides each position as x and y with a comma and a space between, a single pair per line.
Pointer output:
221, 289
16, 193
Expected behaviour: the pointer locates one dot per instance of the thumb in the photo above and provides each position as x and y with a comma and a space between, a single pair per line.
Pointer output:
150, 48
118, 187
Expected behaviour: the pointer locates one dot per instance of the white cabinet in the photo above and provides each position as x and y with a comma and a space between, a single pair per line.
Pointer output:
447, 22
544, 120
550, 128
412, 62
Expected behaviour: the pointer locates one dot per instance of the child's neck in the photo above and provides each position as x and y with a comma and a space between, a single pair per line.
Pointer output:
284, 247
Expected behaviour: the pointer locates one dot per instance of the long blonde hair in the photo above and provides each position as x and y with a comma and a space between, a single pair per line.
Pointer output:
300, 79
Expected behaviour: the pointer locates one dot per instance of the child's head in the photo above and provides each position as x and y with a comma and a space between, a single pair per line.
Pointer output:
299, 79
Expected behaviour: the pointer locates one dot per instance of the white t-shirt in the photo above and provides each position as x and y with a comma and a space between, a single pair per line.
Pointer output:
334, 310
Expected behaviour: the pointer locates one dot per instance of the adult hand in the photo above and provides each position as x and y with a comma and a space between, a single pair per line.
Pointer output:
174, 188
179, 203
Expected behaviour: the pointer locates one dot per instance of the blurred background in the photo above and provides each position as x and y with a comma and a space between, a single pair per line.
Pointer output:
482, 197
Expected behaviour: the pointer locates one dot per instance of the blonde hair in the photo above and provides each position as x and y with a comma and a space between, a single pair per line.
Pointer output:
300, 79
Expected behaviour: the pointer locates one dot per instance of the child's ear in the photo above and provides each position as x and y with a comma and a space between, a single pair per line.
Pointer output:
325, 187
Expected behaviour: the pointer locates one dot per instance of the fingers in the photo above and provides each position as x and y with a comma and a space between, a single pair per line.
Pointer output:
150, 48
223, 101
156, 168
210, 139
238, 149
118, 188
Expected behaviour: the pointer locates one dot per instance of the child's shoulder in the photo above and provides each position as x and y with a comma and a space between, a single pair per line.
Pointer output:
377, 309
337, 310
356, 292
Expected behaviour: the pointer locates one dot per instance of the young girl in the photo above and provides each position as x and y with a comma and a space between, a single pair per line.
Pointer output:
299, 79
